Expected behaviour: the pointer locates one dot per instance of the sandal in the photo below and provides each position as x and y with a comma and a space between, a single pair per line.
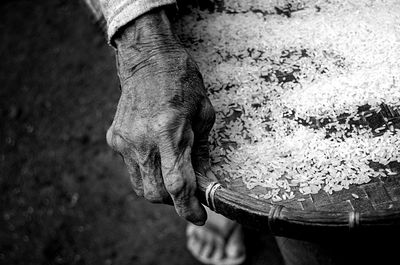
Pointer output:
218, 242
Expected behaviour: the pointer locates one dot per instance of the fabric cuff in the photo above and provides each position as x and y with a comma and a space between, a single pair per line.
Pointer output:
131, 11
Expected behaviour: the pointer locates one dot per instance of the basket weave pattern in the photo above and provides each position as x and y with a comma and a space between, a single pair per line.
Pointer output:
379, 194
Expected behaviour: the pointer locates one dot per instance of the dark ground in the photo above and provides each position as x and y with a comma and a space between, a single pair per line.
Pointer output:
65, 197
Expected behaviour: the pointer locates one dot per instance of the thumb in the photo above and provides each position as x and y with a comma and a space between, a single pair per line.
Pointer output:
201, 128
201, 161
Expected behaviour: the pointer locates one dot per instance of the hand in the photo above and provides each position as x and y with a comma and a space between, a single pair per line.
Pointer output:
163, 117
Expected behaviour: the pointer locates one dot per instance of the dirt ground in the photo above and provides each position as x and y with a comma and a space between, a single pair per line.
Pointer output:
65, 197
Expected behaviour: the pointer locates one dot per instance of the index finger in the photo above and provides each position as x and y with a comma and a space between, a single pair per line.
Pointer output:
178, 174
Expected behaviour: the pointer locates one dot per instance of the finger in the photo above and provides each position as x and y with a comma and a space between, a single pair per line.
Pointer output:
150, 170
119, 145
200, 155
203, 122
201, 128
201, 159
178, 173
134, 175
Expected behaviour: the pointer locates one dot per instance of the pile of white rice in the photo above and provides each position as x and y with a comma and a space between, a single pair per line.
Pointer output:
266, 72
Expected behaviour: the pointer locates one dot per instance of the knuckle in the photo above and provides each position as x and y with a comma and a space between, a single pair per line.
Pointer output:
137, 137
138, 130
165, 120
177, 187
134, 135
115, 141
109, 136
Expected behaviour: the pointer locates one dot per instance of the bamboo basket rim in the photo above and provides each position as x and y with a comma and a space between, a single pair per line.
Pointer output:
285, 221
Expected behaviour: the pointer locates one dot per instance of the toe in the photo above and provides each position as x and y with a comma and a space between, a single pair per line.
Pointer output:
208, 245
235, 247
219, 249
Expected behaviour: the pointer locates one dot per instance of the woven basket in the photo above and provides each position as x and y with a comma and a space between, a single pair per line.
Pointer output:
373, 207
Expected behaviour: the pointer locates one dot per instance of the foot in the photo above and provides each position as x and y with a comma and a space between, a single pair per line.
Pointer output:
218, 242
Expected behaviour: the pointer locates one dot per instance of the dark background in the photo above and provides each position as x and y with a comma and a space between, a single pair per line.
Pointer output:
65, 196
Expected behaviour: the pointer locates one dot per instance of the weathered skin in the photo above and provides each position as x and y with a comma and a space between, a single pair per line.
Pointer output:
163, 117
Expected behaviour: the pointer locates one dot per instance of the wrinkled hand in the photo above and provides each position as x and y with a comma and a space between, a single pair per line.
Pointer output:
163, 117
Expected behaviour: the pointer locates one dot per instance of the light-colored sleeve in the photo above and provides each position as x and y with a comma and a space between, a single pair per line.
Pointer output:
118, 13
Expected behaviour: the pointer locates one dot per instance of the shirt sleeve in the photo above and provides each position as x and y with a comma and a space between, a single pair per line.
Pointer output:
118, 13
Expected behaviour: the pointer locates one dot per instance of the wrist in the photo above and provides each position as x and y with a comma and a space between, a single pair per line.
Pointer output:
150, 30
